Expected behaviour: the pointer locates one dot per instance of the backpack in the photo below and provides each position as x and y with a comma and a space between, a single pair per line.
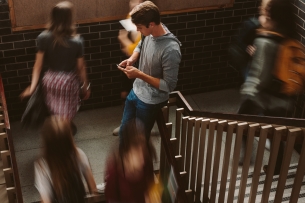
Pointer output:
245, 37
290, 67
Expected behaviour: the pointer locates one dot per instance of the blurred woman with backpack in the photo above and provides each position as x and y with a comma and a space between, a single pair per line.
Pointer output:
59, 173
60, 50
263, 91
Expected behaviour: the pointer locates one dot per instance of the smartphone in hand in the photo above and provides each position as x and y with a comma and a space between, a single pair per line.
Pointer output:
120, 66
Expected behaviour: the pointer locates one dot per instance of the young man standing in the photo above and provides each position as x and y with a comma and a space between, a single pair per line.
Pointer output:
159, 57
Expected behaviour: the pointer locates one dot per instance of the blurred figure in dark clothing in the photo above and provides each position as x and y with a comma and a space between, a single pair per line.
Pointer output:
59, 173
129, 170
261, 90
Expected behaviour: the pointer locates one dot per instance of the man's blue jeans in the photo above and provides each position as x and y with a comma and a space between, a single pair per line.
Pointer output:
136, 109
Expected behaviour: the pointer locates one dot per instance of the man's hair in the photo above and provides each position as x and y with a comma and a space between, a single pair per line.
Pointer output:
145, 13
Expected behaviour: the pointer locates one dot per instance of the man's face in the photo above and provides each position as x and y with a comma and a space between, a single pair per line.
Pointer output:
144, 30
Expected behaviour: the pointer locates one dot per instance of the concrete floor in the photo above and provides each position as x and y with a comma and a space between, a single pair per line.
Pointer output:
95, 138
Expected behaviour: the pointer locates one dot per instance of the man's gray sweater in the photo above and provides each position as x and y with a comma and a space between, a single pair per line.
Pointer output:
160, 58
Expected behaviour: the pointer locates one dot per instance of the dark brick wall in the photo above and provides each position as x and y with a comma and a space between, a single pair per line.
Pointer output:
205, 36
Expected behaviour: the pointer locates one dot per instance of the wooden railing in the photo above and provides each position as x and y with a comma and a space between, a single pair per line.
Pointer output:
209, 169
7, 151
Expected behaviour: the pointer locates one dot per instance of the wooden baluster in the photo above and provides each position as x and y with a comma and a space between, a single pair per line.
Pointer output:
165, 111
195, 153
226, 160
208, 165
203, 135
277, 136
162, 161
258, 162
299, 175
8, 175
183, 140
11, 194
179, 113
220, 127
246, 162
179, 159
240, 131
5, 156
292, 133
3, 142
189, 143
2, 127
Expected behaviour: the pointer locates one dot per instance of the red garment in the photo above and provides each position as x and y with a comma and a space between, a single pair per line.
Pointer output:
61, 92
119, 189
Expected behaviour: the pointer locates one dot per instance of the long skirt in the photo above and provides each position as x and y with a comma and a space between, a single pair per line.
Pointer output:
61, 93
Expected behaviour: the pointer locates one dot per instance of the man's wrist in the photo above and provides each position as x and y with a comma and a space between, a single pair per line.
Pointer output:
132, 60
141, 75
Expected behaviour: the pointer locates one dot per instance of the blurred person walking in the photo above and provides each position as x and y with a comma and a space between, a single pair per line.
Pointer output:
129, 40
264, 92
129, 169
157, 75
60, 171
261, 90
60, 49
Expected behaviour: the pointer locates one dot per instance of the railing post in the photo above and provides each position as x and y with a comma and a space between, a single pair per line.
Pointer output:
300, 173
8, 175
258, 162
207, 175
3, 142
238, 141
5, 156
292, 133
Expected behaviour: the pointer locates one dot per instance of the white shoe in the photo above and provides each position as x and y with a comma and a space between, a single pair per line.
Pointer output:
116, 131
101, 188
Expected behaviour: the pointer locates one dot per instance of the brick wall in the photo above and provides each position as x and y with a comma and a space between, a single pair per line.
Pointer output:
205, 36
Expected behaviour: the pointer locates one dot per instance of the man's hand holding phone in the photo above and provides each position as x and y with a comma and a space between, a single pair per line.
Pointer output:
127, 62
130, 71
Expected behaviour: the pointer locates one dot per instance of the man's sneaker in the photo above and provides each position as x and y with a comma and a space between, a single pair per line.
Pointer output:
101, 188
116, 131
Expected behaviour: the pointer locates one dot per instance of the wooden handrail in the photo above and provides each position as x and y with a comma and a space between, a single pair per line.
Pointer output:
182, 103
169, 152
11, 145
276, 128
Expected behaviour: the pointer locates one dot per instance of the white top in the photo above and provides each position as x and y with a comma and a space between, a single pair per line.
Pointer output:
43, 175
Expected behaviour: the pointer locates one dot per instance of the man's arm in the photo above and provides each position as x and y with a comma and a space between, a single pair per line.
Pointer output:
170, 63
130, 61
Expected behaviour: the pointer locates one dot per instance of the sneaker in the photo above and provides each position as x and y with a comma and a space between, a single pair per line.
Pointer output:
101, 188
116, 131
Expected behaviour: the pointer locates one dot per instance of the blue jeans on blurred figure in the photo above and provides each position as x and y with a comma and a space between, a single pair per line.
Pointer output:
136, 109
